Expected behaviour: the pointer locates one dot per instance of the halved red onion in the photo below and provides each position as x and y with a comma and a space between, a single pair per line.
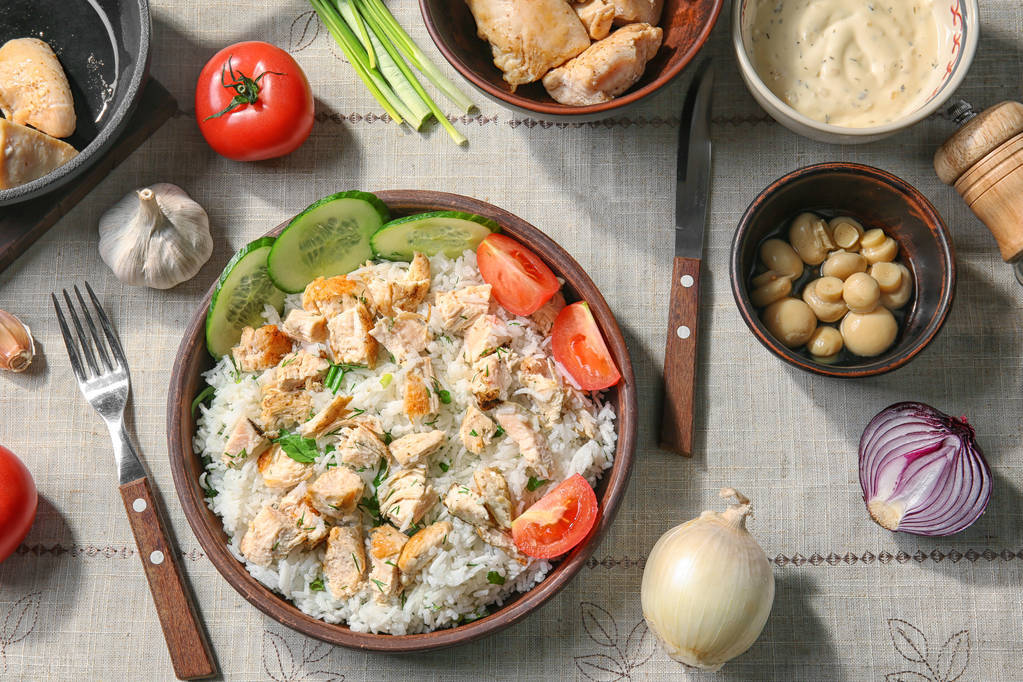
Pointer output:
922, 471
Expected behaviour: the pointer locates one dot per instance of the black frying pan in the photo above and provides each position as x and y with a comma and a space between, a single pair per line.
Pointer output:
103, 46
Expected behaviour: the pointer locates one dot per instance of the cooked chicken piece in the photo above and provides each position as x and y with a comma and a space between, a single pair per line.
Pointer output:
280, 471
476, 431
305, 518
344, 564
420, 400
306, 327
597, 16
27, 154
606, 69
261, 348
412, 449
541, 378
416, 552
487, 333
34, 89
370, 421
633, 11
385, 545
404, 336
496, 496
283, 408
246, 440
327, 419
406, 497
336, 491
491, 379
361, 447
270, 534
349, 337
528, 37
408, 294
380, 296
467, 505
587, 424
459, 308
330, 297
532, 445
300, 371
501, 540
548, 312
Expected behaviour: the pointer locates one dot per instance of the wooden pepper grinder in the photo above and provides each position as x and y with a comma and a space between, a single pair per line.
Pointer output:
983, 160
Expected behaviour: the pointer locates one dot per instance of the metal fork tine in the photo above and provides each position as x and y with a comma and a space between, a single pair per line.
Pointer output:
69, 342
82, 338
108, 329
101, 350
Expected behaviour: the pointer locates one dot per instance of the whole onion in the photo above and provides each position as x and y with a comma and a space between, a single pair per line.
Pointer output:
922, 471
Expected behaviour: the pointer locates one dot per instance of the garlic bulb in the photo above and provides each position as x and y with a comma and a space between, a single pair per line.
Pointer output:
155, 237
708, 587
17, 348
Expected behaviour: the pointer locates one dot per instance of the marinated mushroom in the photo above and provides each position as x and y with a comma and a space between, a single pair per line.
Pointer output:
887, 275
846, 232
877, 247
825, 344
893, 300
777, 255
824, 296
869, 334
770, 286
810, 238
841, 264
861, 292
791, 321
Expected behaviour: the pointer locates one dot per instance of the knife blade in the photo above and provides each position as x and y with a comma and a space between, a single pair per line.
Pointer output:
692, 190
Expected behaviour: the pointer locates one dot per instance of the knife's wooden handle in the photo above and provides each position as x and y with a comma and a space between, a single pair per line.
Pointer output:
680, 357
186, 640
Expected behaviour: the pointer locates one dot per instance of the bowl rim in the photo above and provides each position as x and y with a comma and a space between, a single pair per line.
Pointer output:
566, 110
180, 430
106, 136
948, 88
881, 364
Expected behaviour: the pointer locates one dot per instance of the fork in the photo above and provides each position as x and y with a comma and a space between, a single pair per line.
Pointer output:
100, 366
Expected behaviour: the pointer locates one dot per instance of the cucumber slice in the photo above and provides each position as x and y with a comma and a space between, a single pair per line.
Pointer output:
329, 238
447, 232
243, 290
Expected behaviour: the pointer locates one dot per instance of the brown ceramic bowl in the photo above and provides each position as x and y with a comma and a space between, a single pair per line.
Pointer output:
877, 199
686, 24
186, 382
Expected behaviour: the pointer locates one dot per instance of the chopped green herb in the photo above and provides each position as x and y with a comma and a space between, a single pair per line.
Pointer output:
355, 560
357, 411
388, 438
209, 492
288, 361
500, 431
391, 563
413, 529
274, 548
298, 448
380, 585
444, 466
495, 578
432, 422
385, 380
474, 434
472, 565
535, 483
203, 396
317, 585
404, 598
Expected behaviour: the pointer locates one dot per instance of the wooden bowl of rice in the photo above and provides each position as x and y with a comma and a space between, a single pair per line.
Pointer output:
186, 382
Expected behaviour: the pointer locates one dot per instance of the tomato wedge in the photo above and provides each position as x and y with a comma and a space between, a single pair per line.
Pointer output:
558, 521
521, 281
580, 349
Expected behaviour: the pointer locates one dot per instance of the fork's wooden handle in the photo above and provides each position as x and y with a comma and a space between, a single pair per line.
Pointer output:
189, 648
680, 357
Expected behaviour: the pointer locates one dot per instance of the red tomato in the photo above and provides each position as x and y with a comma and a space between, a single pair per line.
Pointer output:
253, 102
521, 281
580, 349
18, 501
558, 521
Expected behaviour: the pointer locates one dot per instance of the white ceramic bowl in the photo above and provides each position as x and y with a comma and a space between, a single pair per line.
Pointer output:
961, 19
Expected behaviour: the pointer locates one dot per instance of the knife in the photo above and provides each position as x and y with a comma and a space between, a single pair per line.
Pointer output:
691, 192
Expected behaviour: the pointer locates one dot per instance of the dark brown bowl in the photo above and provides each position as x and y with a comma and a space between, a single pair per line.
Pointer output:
877, 199
186, 381
686, 24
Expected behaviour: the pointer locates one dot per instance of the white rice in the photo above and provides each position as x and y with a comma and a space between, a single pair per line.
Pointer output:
454, 586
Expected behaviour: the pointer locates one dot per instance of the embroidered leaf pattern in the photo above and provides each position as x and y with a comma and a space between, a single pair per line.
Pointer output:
640, 645
314, 651
600, 668
950, 664
18, 624
305, 28
906, 676
909, 641
599, 624
280, 664
954, 656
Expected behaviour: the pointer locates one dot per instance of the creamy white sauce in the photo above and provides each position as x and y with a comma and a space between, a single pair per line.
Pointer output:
852, 63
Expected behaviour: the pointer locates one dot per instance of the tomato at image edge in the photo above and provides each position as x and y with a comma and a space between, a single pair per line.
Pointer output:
521, 282
579, 348
18, 502
558, 521
275, 124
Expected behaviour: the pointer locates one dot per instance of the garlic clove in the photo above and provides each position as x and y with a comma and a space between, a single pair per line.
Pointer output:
17, 347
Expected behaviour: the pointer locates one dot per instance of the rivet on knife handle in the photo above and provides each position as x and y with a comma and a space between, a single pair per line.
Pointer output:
680, 357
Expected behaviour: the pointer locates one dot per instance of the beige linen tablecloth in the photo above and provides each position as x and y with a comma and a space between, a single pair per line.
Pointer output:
853, 601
